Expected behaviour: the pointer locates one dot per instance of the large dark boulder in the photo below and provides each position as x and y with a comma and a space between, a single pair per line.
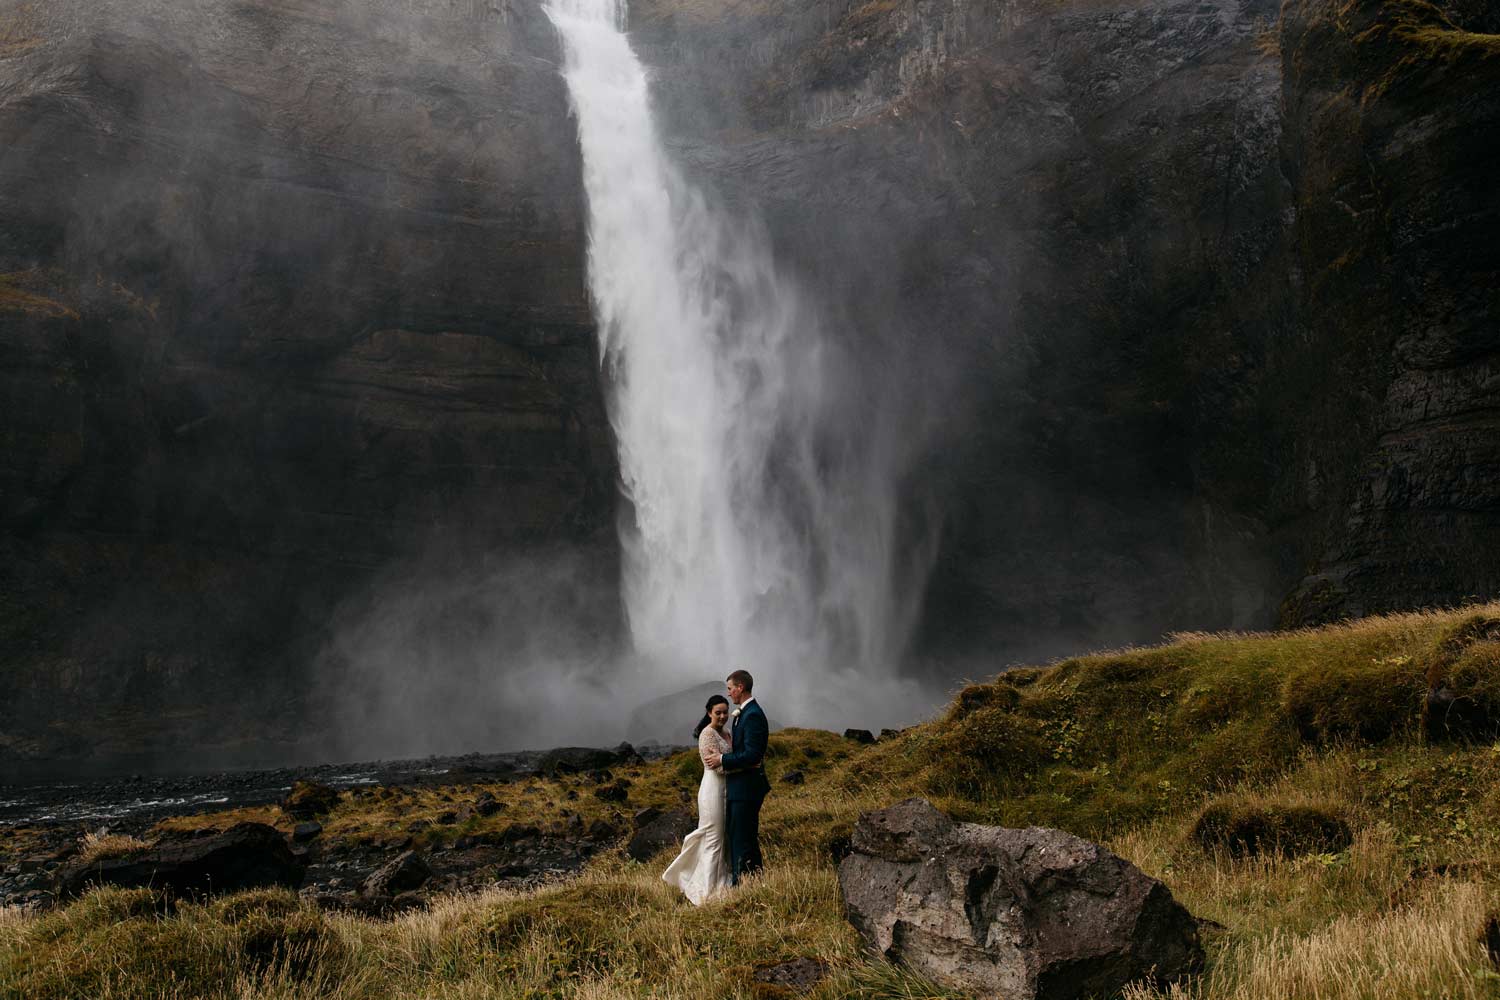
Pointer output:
245, 856
1033, 914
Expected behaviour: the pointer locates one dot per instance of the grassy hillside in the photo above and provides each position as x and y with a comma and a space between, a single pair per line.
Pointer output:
1293, 789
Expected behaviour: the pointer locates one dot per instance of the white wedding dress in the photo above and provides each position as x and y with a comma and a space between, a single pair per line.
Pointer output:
701, 871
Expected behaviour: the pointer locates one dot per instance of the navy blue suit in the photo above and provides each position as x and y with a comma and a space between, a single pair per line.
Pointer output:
746, 787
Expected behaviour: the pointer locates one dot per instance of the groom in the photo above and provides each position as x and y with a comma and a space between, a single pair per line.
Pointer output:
745, 776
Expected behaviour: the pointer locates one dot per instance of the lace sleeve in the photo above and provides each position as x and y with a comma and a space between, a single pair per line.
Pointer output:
708, 742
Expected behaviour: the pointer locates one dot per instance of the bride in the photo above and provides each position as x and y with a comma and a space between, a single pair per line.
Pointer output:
701, 871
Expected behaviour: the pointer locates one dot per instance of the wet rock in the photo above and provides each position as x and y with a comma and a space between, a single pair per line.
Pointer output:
666, 830
862, 736
409, 870
308, 799
245, 856
1033, 914
601, 831
514, 834
579, 760
306, 831
784, 979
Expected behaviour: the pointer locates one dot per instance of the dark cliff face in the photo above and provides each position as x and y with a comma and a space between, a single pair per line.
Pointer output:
289, 292
1078, 212
1211, 281
1393, 113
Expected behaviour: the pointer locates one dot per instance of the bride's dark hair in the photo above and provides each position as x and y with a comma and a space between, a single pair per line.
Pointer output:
717, 699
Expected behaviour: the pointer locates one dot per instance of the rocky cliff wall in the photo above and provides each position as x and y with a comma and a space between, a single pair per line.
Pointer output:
289, 292
1210, 278
1393, 112
1078, 213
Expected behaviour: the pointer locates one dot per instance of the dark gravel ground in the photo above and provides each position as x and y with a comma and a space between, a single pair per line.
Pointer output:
54, 815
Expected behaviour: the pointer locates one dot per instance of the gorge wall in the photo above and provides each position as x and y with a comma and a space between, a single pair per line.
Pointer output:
291, 295
1189, 309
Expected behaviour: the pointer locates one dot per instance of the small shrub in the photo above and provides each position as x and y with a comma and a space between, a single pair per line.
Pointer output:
233, 909
94, 847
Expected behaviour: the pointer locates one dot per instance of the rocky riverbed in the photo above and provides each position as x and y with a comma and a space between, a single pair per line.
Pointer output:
45, 829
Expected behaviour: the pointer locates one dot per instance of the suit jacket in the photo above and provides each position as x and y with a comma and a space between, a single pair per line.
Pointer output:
745, 765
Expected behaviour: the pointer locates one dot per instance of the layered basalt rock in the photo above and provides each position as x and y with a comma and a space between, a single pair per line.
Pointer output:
1211, 277
288, 292
1393, 115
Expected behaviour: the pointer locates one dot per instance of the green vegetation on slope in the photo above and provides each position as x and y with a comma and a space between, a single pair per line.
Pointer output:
1291, 788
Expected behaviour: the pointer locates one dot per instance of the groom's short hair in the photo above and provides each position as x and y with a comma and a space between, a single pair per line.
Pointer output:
742, 678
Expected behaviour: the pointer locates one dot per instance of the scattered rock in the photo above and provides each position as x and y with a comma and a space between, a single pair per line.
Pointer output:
1025, 914
306, 831
611, 793
788, 979
515, 833
408, 870
578, 760
667, 830
601, 776
487, 805
245, 856
446, 818
1290, 831
888, 734
644, 816
602, 831
863, 736
308, 799
793, 778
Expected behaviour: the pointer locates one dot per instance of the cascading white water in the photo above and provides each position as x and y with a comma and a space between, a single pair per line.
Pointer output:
759, 540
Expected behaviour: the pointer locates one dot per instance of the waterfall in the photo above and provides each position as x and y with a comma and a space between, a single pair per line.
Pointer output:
762, 537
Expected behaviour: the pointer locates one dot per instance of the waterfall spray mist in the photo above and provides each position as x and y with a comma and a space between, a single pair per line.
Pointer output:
764, 526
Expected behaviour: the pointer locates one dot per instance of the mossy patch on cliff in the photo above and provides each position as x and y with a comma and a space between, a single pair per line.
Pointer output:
18, 293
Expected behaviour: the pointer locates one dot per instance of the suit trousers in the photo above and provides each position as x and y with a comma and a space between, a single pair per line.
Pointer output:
743, 822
